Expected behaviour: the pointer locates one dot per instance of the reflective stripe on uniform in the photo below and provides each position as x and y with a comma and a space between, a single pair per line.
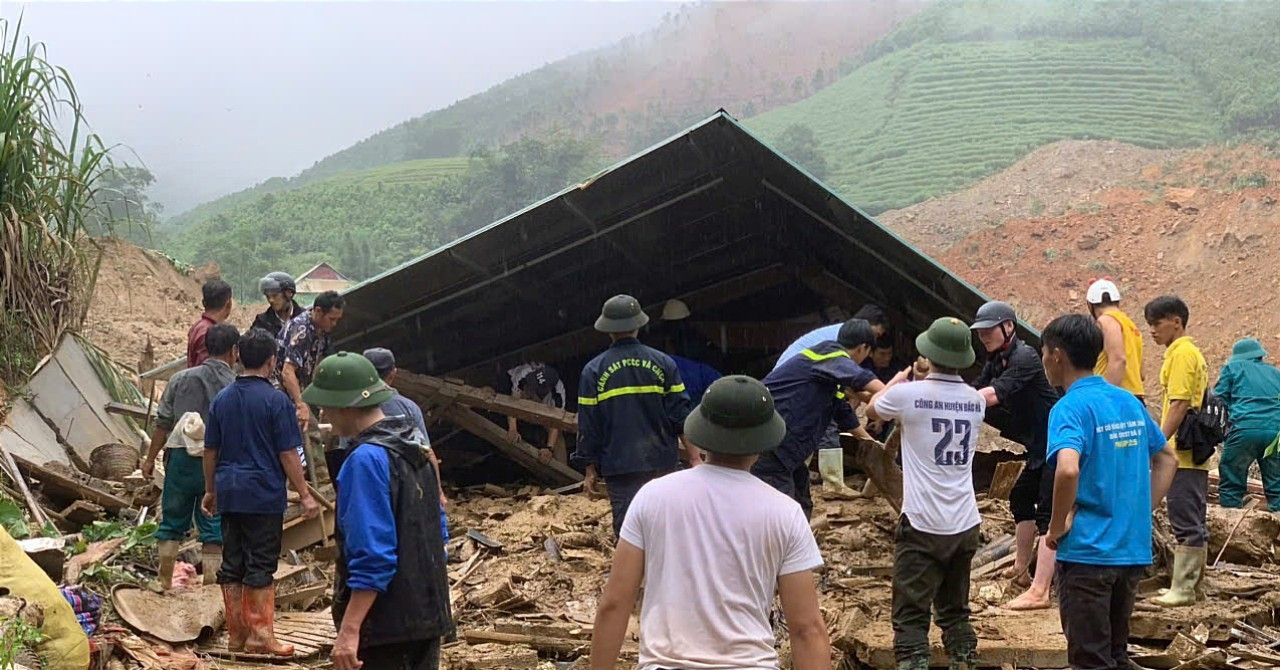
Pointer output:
815, 356
629, 390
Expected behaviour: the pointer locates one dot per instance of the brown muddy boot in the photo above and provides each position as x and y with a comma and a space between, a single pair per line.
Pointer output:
168, 551
260, 618
210, 561
233, 602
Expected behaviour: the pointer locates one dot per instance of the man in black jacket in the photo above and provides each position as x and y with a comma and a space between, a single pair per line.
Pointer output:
278, 288
391, 594
631, 410
1019, 398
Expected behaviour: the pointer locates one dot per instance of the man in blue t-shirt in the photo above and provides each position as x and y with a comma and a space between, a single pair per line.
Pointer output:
251, 445
1113, 468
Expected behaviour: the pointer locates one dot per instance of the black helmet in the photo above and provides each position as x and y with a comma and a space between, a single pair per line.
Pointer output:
993, 314
277, 282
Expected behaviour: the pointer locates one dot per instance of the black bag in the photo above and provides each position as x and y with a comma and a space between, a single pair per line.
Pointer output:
1203, 429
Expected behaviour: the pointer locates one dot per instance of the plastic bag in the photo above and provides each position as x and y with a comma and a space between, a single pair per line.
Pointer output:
831, 466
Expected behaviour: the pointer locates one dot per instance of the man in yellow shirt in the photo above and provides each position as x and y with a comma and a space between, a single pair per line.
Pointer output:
1120, 362
1184, 378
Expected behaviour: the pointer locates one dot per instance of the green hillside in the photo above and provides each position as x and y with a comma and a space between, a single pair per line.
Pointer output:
409, 172
932, 118
364, 222
966, 88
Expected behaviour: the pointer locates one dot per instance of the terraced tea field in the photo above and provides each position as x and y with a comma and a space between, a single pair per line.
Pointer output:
933, 118
408, 172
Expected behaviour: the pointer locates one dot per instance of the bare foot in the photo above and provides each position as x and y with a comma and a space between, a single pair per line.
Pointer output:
1013, 571
1029, 600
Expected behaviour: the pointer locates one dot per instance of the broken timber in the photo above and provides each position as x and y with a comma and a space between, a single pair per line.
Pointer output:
518, 450
425, 390
60, 486
878, 463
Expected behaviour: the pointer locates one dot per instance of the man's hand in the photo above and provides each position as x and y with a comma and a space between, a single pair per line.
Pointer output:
1056, 533
444, 500
148, 468
513, 434
304, 415
591, 483
695, 457
345, 649
209, 504
545, 455
922, 366
310, 508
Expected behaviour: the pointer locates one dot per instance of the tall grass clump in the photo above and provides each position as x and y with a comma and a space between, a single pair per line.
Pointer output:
49, 162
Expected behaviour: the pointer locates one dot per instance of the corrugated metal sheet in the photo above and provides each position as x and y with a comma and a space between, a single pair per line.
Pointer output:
708, 205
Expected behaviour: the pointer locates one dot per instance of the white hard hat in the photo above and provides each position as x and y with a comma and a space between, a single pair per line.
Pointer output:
675, 310
1103, 290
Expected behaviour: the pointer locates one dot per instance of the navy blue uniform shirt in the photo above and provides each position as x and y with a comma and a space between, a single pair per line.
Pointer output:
631, 410
250, 423
807, 392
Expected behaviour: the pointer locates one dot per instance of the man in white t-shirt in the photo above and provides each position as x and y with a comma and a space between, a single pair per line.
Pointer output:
712, 545
937, 535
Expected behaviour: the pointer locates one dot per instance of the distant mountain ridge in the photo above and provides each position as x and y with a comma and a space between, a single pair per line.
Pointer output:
746, 57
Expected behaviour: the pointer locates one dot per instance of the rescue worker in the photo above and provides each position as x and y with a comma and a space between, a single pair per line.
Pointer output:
190, 391
1120, 362
631, 410
808, 390
391, 595
1250, 388
216, 298
278, 288
745, 541
1020, 398
250, 450
303, 343
870, 312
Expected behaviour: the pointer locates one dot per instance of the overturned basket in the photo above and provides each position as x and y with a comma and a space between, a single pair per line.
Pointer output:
113, 461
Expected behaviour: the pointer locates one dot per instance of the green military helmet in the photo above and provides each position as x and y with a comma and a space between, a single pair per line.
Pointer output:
621, 314
948, 343
344, 380
736, 417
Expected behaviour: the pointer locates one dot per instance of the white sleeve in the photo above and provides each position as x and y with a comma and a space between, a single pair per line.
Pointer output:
633, 526
802, 549
893, 402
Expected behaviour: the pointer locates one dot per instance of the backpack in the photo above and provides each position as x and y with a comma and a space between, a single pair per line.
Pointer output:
1203, 429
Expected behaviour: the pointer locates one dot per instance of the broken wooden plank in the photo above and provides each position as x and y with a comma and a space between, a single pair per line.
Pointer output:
82, 513
302, 596
58, 485
878, 463
131, 411
995, 550
424, 389
517, 450
300, 533
1006, 476
37, 512
555, 645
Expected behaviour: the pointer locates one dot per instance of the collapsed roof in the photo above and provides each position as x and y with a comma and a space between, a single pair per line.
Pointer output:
713, 216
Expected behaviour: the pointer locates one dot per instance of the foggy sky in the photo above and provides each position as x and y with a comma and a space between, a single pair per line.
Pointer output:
217, 96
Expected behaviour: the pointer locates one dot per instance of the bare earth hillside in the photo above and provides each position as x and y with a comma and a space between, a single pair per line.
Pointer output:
141, 295
1203, 227
1047, 182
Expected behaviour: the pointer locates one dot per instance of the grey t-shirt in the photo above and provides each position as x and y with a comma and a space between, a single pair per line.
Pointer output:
192, 390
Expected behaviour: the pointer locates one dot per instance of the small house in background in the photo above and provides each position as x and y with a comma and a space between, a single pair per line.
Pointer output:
319, 279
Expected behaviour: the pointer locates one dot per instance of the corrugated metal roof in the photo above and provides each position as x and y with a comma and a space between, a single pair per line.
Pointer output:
709, 205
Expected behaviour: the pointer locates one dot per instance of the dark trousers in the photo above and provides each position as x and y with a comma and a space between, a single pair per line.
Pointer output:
1032, 497
1187, 501
623, 489
1243, 448
931, 572
417, 655
794, 481
1094, 603
250, 548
